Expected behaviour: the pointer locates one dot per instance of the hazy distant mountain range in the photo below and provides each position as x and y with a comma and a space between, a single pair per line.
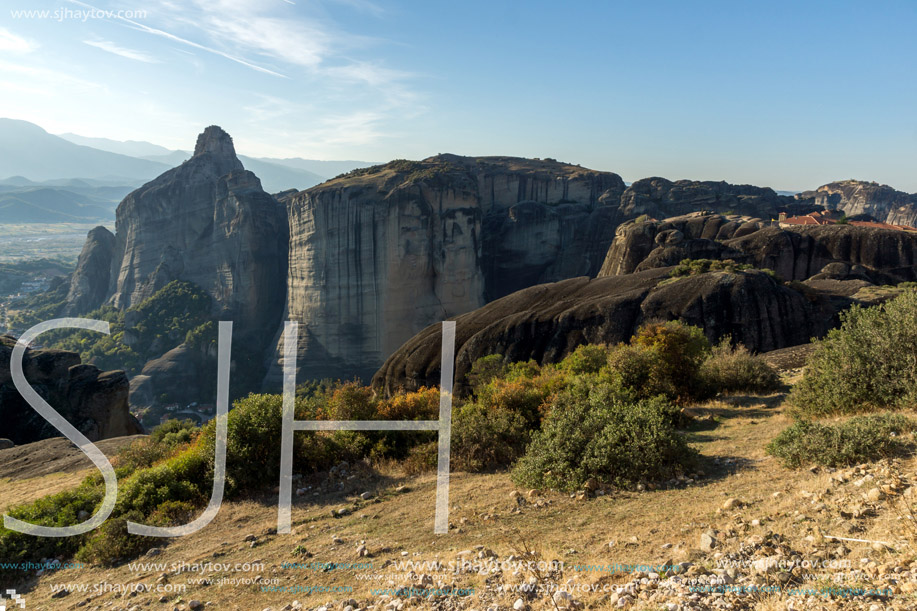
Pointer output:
72, 178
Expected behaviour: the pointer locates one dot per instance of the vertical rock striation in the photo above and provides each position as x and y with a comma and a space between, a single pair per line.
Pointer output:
379, 254
92, 277
209, 222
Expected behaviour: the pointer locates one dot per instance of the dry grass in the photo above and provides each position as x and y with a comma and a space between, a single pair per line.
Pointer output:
19, 492
400, 526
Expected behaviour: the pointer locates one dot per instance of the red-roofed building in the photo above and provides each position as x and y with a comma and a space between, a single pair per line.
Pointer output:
813, 218
833, 217
883, 225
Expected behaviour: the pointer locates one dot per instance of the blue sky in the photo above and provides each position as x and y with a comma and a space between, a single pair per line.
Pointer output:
784, 94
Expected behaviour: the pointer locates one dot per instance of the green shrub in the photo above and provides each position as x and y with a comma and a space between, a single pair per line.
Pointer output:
597, 431
186, 477
691, 267
523, 396
422, 458
173, 432
486, 369
662, 359
111, 543
632, 367
588, 358
735, 369
522, 370
860, 439
140, 454
253, 442
485, 438
422, 404
870, 362
61, 509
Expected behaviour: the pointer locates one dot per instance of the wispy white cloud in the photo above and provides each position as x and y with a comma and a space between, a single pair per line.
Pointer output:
273, 31
114, 49
12, 43
334, 95
291, 42
179, 39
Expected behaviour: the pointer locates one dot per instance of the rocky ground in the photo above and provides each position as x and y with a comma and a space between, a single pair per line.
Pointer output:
741, 533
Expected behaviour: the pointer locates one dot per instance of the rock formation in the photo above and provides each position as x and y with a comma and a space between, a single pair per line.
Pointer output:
661, 198
377, 255
92, 277
209, 222
546, 322
856, 197
187, 373
369, 259
882, 256
95, 402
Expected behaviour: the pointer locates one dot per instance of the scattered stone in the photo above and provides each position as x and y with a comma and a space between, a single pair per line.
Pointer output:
562, 598
707, 541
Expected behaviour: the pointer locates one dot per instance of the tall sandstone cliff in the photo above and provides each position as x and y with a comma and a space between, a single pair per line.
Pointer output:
369, 259
209, 222
379, 254
91, 280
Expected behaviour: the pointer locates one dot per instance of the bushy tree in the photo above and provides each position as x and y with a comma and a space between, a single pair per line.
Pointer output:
869, 362
598, 431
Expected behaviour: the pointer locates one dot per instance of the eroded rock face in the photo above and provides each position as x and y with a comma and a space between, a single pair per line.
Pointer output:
209, 222
188, 374
95, 402
857, 197
92, 277
379, 254
547, 322
662, 198
882, 256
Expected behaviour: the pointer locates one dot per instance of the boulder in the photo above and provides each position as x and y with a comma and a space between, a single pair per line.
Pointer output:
93, 401
839, 252
548, 321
